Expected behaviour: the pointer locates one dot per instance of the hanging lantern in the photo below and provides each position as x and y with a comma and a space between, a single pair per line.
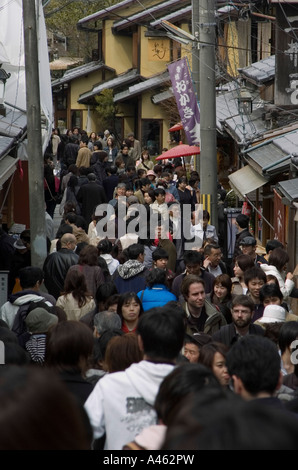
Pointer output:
3, 77
244, 101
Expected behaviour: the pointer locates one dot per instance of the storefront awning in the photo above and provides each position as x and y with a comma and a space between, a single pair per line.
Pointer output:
245, 181
8, 166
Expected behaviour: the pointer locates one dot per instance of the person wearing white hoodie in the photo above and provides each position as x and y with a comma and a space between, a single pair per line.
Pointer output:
276, 266
121, 404
31, 279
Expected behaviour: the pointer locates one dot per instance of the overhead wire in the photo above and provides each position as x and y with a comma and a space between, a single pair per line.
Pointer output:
223, 75
233, 48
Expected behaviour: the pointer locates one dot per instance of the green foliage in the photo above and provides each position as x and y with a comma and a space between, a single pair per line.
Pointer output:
106, 109
62, 17
231, 199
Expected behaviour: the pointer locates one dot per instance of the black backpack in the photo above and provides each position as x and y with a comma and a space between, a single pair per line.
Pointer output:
19, 326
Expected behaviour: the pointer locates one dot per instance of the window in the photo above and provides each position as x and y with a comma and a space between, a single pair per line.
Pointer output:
76, 118
152, 135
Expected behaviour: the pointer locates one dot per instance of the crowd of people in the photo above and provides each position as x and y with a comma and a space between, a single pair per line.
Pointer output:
136, 334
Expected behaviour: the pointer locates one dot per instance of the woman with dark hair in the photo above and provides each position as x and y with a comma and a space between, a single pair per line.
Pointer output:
185, 195
149, 198
145, 161
157, 293
91, 141
129, 309
242, 263
111, 149
105, 248
121, 352
88, 265
70, 195
221, 295
213, 355
99, 163
69, 348
277, 266
75, 300
104, 293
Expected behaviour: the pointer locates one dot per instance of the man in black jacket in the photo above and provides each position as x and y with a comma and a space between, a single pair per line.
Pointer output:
57, 264
193, 262
254, 367
110, 182
90, 195
242, 224
242, 312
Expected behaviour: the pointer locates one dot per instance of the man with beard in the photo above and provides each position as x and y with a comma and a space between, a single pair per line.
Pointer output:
242, 313
201, 315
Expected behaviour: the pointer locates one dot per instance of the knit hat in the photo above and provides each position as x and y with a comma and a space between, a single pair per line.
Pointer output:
39, 320
273, 314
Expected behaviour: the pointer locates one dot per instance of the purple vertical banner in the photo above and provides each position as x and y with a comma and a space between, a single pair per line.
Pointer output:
186, 100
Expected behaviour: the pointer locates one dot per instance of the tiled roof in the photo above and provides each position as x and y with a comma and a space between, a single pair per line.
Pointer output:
289, 188
274, 156
173, 16
260, 72
107, 12
241, 126
80, 71
149, 13
122, 79
143, 86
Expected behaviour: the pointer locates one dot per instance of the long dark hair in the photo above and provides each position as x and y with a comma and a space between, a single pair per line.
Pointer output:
73, 183
142, 158
75, 284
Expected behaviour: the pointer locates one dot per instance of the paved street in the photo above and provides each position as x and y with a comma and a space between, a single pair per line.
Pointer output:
57, 218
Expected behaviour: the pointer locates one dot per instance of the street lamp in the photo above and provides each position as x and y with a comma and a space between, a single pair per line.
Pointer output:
244, 101
3, 77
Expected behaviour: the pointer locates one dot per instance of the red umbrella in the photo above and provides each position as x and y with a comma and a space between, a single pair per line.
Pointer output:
176, 127
181, 150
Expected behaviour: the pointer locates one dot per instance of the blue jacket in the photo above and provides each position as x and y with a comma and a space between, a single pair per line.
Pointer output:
156, 296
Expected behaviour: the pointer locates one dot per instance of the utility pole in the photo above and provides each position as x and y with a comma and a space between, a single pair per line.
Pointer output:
195, 59
195, 47
35, 154
208, 155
